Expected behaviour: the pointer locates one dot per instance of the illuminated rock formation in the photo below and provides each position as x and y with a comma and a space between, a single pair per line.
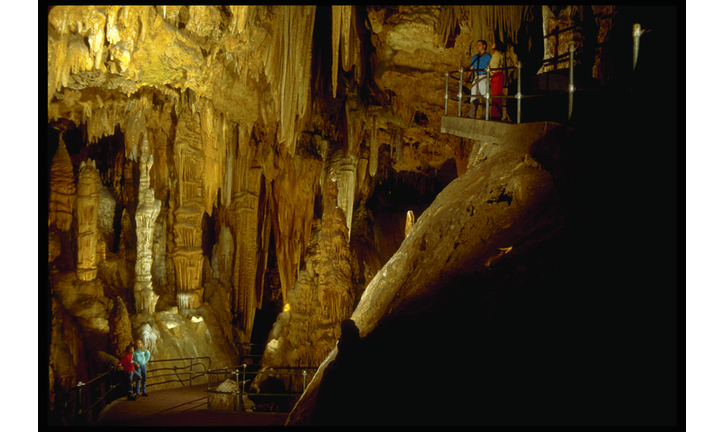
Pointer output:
120, 334
87, 203
245, 209
187, 255
322, 297
344, 170
409, 222
62, 190
146, 214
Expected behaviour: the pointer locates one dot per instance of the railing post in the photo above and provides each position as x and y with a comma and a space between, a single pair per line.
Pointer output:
571, 87
304, 380
243, 377
80, 398
238, 404
519, 95
487, 92
460, 94
191, 370
447, 89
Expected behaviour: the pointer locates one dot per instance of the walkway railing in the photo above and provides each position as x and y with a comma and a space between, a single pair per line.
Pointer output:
85, 401
519, 96
178, 373
240, 373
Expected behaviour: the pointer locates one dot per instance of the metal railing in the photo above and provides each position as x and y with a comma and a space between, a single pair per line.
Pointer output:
519, 96
246, 377
83, 403
84, 400
176, 371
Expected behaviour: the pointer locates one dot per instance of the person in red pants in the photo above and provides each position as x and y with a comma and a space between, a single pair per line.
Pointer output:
497, 79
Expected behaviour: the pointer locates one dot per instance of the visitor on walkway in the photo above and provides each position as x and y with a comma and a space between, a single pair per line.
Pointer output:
496, 83
129, 371
479, 87
141, 356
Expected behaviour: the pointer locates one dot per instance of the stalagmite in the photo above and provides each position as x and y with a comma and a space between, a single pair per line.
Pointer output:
345, 169
409, 222
146, 214
87, 203
62, 190
188, 256
335, 288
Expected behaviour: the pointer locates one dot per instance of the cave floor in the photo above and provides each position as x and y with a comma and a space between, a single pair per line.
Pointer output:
184, 406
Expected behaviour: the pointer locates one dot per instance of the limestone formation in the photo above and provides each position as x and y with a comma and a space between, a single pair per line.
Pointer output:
87, 204
146, 214
120, 335
62, 190
322, 297
409, 222
245, 201
187, 256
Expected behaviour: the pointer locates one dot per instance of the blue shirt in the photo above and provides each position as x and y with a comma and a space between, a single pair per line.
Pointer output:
480, 62
141, 357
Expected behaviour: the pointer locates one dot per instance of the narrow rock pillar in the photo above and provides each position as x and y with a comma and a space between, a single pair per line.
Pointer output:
146, 214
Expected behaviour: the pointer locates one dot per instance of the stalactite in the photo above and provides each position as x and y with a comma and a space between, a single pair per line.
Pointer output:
292, 207
62, 190
486, 20
146, 213
289, 70
336, 35
87, 203
214, 152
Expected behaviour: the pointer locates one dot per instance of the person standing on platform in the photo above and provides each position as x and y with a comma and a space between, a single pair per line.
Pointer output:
479, 87
496, 83
141, 356
129, 371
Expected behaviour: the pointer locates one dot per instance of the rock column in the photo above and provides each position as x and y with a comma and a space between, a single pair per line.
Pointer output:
188, 257
87, 204
146, 214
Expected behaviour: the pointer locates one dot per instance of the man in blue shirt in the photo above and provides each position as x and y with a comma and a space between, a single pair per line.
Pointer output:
479, 61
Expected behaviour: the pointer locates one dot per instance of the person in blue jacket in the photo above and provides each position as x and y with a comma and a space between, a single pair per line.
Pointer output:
141, 356
479, 61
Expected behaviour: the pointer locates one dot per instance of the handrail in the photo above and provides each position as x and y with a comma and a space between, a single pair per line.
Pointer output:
176, 371
637, 32
240, 391
75, 408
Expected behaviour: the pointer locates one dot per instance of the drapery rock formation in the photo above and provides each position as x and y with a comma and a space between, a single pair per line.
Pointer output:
254, 168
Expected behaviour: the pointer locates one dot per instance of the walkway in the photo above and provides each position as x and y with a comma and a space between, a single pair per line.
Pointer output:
184, 406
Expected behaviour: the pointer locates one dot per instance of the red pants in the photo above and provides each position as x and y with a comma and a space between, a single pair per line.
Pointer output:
496, 89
